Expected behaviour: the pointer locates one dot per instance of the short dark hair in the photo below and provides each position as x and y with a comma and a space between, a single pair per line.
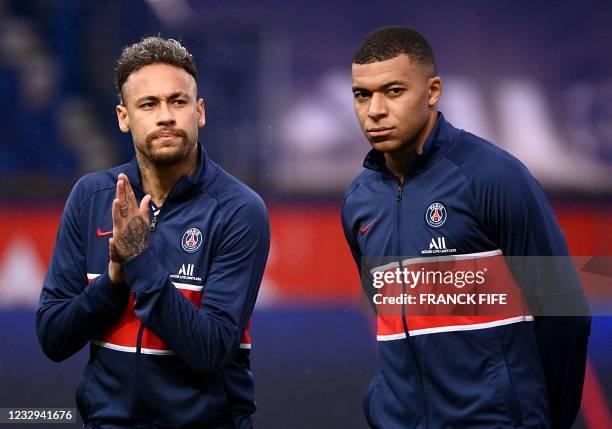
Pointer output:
152, 50
389, 42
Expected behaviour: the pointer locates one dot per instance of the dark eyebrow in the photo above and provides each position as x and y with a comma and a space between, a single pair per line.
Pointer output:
172, 96
393, 82
385, 86
177, 95
146, 98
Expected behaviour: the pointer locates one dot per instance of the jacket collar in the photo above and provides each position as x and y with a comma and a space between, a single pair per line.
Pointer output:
441, 134
204, 174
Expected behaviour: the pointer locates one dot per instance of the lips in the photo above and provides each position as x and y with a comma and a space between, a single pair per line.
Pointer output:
379, 131
166, 134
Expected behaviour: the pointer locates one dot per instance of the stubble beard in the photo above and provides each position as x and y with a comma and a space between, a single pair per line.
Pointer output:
164, 158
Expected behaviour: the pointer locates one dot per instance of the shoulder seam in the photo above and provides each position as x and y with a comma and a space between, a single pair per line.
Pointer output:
90, 196
349, 194
470, 190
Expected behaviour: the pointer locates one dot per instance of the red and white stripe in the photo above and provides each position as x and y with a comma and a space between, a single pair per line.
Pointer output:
439, 318
124, 334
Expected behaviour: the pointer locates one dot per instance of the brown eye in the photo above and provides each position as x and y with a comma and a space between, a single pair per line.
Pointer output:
360, 95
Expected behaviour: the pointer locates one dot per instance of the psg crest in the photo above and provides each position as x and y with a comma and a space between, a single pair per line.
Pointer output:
435, 216
192, 240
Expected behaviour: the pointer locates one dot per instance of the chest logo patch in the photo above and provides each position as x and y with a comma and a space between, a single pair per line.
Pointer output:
192, 240
435, 216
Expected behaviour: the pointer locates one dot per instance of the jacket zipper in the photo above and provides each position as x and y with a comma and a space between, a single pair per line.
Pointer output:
141, 328
154, 220
152, 227
399, 191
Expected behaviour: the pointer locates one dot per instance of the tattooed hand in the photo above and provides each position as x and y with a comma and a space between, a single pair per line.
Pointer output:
130, 222
115, 271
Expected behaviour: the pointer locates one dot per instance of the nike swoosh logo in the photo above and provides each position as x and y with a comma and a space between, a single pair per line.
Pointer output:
365, 229
99, 233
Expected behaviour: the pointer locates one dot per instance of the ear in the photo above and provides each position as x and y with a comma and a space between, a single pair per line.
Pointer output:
435, 90
201, 112
123, 118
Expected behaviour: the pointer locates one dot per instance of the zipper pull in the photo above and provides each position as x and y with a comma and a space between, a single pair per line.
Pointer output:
398, 192
154, 221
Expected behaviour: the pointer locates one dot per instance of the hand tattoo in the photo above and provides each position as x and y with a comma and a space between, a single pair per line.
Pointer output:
130, 221
133, 240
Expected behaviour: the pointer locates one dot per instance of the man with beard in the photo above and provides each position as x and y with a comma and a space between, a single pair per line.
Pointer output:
436, 196
157, 265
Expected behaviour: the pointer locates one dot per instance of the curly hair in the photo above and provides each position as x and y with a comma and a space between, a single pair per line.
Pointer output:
152, 50
389, 42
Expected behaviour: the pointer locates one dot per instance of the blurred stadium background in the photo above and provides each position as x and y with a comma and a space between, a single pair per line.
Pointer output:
534, 77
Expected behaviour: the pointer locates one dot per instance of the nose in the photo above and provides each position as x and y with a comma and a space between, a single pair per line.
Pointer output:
165, 117
378, 107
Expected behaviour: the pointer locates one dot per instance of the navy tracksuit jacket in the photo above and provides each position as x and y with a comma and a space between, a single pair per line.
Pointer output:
465, 200
171, 348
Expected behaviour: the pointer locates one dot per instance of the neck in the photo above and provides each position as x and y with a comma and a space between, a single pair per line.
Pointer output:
158, 180
396, 161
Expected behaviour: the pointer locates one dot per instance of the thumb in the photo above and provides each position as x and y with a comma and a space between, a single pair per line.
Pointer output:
113, 251
144, 207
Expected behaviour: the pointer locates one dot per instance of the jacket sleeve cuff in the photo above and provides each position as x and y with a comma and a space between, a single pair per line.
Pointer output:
144, 271
102, 291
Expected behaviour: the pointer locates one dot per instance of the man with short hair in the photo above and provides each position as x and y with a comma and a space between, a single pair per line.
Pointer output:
433, 195
174, 249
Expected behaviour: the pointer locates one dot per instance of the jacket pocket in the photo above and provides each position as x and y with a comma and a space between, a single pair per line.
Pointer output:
367, 401
81, 397
507, 388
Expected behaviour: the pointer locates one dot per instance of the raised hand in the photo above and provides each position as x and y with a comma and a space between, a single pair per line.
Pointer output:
115, 271
130, 222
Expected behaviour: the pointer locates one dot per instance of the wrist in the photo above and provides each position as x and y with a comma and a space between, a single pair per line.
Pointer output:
115, 274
